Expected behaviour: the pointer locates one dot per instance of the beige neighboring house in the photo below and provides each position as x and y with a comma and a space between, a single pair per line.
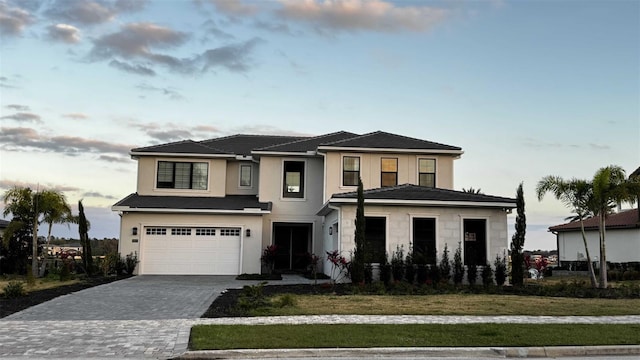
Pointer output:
213, 206
55, 250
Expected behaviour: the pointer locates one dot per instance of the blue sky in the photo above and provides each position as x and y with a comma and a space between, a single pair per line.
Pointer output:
526, 88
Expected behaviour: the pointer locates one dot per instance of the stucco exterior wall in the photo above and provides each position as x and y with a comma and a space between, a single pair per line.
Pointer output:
622, 245
148, 167
371, 174
449, 227
251, 246
233, 187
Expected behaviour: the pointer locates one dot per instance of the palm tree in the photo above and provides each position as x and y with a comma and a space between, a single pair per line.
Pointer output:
610, 188
58, 211
471, 190
24, 203
578, 195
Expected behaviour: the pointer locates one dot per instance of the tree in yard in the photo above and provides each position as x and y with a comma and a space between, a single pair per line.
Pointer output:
58, 212
457, 265
517, 241
83, 229
32, 208
471, 190
360, 256
610, 188
578, 195
445, 265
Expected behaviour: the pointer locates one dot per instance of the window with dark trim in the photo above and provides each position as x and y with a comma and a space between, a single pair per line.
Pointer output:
375, 238
424, 240
475, 241
350, 170
293, 184
182, 175
389, 172
245, 175
427, 172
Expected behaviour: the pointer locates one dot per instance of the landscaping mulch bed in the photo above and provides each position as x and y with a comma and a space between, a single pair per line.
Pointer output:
13, 305
224, 305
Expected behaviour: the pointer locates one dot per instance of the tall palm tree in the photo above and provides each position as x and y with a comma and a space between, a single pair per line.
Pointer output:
578, 195
610, 188
58, 211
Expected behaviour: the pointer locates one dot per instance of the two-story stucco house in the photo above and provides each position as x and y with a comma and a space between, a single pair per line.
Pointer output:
211, 207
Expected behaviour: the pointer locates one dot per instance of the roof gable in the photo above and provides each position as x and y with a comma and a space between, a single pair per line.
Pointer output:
621, 220
385, 140
180, 147
243, 144
310, 144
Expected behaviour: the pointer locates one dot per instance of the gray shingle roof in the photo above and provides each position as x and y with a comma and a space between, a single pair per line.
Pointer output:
243, 144
415, 192
229, 202
310, 144
627, 219
181, 147
385, 140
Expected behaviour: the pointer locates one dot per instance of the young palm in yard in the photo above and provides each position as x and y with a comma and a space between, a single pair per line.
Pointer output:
577, 194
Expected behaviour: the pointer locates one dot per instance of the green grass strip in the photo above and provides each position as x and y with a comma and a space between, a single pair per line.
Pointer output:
214, 337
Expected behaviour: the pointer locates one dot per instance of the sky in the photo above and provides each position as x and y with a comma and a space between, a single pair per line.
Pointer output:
525, 88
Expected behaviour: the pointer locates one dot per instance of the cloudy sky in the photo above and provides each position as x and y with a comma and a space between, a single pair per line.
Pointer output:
526, 88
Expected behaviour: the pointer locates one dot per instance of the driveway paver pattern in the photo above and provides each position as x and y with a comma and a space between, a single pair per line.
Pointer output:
151, 317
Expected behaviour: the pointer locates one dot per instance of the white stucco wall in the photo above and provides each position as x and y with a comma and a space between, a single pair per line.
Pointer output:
449, 227
251, 246
621, 245
233, 178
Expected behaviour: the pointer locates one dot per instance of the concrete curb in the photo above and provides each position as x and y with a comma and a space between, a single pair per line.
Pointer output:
470, 352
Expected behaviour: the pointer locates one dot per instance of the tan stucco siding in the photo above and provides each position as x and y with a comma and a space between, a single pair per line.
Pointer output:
370, 170
251, 246
622, 245
147, 169
233, 179
449, 227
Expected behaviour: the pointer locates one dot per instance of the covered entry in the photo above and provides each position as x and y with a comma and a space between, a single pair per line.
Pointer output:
293, 241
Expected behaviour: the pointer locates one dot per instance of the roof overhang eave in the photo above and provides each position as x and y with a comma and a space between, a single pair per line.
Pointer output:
435, 203
245, 211
136, 154
391, 150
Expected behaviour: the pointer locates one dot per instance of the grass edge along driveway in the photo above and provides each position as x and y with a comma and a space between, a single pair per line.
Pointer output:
225, 337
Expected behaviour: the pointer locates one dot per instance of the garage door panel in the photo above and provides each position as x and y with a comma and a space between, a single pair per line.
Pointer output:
196, 251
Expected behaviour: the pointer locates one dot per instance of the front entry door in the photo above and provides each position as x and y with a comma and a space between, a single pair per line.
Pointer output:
293, 243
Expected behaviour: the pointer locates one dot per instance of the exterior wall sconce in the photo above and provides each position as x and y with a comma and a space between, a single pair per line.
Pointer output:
134, 231
331, 230
248, 232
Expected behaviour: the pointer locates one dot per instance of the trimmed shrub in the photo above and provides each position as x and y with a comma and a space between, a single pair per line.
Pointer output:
458, 267
130, 262
14, 289
487, 275
445, 266
501, 270
409, 267
472, 274
397, 264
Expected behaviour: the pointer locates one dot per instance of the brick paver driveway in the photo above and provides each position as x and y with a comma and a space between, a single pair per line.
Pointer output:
143, 316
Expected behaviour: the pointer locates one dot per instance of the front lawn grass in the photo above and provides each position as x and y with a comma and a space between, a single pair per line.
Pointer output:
213, 337
41, 284
450, 304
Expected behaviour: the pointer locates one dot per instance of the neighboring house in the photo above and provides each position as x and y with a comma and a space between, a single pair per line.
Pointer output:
56, 250
211, 207
622, 238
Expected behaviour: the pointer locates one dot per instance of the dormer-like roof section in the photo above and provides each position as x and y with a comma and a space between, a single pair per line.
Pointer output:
181, 148
383, 140
242, 144
308, 144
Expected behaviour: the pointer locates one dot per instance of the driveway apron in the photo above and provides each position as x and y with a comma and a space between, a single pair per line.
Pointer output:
143, 316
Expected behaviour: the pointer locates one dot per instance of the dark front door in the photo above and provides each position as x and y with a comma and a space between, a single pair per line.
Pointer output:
424, 240
475, 241
293, 243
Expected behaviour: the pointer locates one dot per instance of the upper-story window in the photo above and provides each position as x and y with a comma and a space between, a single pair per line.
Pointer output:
182, 175
350, 170
293, 186
245, 175
427, 172
389, 172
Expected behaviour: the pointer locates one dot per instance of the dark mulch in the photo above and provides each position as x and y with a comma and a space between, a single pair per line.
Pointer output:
225, 304
10, 306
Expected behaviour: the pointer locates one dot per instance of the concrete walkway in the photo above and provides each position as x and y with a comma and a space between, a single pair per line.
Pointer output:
151, 316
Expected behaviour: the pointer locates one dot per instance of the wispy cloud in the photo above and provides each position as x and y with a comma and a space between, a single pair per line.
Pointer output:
9, 184
274, 27
171, 93
18, 107
22, 139
132, 68
114, 159
353, 15
76, 116
90, 12
23, 117
13, 19
540, 144
95, 194
64, 33
234, 7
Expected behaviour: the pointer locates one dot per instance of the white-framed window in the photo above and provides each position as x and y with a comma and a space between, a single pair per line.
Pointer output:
229, 232
427, 172
350, 170
156, 231
181, 231
205, 232
245, 175
182, 175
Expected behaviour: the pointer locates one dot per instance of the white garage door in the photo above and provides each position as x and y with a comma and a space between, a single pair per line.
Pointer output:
190, 251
